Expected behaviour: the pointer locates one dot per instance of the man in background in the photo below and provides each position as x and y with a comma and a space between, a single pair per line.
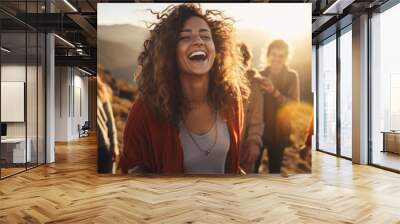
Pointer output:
280, 85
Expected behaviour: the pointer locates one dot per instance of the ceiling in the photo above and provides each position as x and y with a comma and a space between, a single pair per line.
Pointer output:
76, 22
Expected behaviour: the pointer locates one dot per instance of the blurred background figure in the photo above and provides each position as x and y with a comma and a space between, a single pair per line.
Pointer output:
253, 126
280, 85
296, 117
107, 141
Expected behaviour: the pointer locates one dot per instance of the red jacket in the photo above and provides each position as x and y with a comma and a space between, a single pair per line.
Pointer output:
155, 146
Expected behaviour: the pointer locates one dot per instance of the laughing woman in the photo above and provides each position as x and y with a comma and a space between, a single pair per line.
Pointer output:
189, 114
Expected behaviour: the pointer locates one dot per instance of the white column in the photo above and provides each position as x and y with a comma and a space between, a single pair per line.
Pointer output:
360, 90
50, 92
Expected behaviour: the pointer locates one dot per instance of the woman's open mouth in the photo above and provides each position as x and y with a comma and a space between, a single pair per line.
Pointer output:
197, 56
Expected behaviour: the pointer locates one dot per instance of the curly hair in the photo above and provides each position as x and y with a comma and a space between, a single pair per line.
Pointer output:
158, 83
246, 54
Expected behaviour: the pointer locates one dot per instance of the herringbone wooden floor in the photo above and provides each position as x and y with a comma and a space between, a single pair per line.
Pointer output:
70, 191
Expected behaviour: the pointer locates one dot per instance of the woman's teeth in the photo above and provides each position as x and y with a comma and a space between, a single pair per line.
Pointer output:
198, 55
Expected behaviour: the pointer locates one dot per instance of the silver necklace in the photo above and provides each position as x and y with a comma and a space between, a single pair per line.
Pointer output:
206, 151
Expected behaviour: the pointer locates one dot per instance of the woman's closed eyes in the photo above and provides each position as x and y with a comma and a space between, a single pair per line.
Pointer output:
203, 37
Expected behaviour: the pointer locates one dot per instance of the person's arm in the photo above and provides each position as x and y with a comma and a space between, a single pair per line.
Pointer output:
293, 93
132, 158
255, 118
255, 127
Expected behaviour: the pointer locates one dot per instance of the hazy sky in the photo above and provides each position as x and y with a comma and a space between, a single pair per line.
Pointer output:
288, 21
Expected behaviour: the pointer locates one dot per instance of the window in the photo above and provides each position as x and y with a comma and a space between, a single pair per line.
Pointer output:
327, 96
22, 75
346, 93
385, 89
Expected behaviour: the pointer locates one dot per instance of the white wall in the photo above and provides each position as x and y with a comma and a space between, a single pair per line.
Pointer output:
71, 93
13, 73
33, 126
80, 102
61, 103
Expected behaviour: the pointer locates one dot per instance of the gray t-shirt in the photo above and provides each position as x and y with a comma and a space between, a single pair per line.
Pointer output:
196, 161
